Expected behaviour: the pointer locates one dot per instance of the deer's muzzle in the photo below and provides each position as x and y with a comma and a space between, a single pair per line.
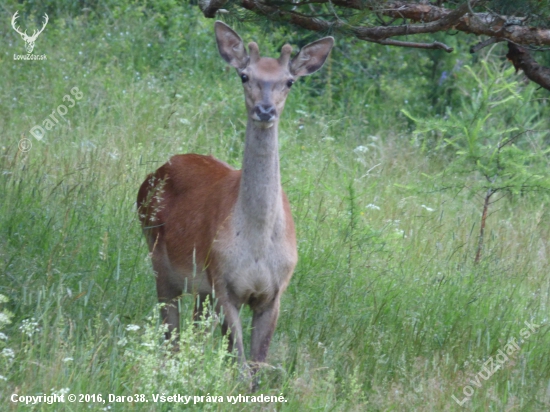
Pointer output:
264, 113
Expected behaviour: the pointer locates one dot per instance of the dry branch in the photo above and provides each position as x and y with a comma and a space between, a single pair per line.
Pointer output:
521, 59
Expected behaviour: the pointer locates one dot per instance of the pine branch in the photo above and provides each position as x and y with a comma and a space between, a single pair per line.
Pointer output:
379, 34
419, 18
429, 18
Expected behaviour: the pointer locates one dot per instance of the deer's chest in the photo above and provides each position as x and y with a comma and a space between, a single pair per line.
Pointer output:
257, 268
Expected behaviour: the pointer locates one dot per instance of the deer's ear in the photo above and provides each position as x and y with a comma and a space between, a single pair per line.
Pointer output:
230, 46
312, 57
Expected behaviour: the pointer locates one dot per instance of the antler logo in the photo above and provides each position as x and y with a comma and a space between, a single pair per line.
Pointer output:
29, 40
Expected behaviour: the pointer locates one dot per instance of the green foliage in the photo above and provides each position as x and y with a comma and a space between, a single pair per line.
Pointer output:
6, 353
492, 141
201, 365
494, 134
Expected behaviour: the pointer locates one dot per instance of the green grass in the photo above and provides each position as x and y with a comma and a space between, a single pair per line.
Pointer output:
385, 311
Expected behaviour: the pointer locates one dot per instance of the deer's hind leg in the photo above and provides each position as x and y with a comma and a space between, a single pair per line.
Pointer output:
168, 292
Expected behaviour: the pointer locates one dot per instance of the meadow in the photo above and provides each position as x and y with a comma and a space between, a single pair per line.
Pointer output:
386, 311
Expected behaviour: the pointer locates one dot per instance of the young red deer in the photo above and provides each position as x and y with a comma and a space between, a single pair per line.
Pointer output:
225, 233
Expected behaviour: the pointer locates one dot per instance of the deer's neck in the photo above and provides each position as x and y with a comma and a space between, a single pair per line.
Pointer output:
259, 204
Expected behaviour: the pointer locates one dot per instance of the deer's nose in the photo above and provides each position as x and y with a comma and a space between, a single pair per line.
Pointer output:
265, 112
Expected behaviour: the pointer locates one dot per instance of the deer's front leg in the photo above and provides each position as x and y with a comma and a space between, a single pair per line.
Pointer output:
264, 321
227, 304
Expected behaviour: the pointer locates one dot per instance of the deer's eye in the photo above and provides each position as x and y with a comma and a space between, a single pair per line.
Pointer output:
289, 83
244, 78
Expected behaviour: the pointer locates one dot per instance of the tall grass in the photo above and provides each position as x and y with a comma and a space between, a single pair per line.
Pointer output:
385, 311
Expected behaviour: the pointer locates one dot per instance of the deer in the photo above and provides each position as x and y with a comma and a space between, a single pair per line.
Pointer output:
223, 234
29, 40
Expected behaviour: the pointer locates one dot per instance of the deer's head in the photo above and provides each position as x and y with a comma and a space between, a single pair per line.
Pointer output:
267, 81
29, 40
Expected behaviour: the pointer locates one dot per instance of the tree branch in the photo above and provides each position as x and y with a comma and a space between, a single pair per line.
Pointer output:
521, 59
433, 46
379, 34
430, 19
421, 18
210, 7
484, 43
489, 24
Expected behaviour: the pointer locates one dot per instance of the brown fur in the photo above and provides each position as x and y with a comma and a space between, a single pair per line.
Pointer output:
188, 206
